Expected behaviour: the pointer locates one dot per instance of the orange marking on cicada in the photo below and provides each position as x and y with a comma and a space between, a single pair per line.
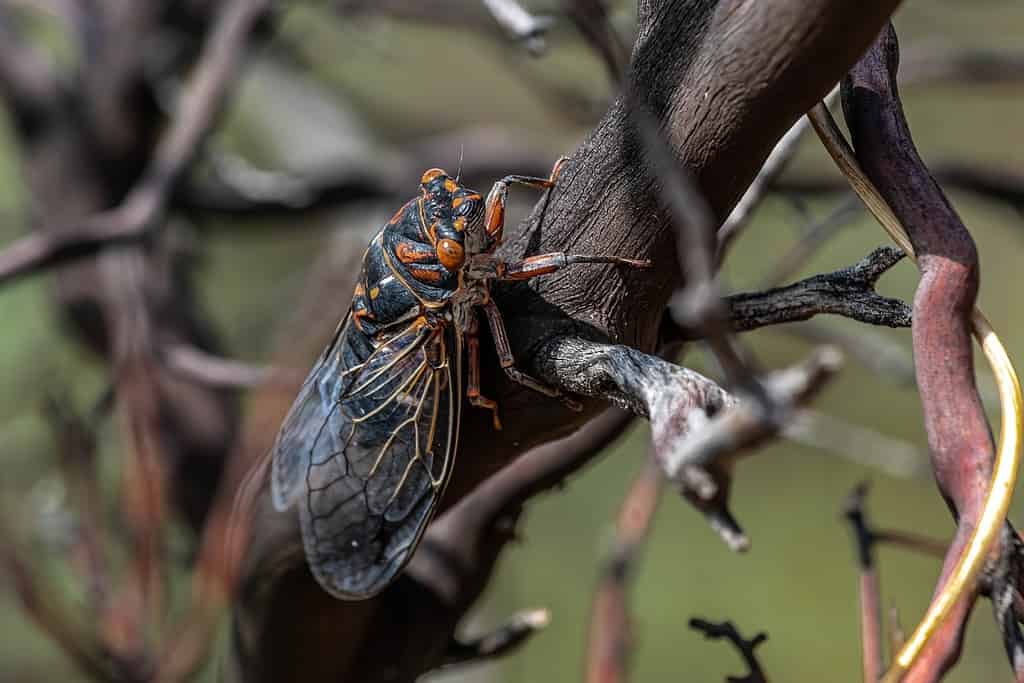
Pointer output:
450, 185
459, 224
495, 221
375, 292
451, 254
407, 254
358, 315
457, 202
426, 275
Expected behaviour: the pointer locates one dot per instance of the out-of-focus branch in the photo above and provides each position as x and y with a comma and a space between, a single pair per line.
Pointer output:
858, 444
28, 85
998, 184
523, 26
593, 20
883, 357
925, 65
228, 373
870, 595
200, 101
610, 639
76, 639
726, 630
773, 167
506, 638
813, 238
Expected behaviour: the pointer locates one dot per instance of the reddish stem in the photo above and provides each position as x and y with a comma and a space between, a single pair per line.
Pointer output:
958, 434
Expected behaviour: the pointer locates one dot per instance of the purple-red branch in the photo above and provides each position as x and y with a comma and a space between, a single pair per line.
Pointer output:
958, 433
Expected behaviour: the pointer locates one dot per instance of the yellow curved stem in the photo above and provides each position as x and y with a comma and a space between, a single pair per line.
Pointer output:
997, 500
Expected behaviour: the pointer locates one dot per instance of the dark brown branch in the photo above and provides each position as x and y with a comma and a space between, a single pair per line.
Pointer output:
848, 292
604, 203
726, 630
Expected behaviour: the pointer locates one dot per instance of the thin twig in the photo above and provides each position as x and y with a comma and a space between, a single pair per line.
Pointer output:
772, 168
870, 596
520, 23
848, 292
505, 639
726, 630
813, 238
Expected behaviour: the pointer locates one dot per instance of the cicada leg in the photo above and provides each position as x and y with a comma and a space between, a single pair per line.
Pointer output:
494, 217
473, 385
508, 363
542, 264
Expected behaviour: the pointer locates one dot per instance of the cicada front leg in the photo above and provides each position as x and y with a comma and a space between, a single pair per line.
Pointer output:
494, 217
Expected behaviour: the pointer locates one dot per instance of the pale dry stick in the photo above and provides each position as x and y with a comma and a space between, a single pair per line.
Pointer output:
520, 23
997, 502
772, 168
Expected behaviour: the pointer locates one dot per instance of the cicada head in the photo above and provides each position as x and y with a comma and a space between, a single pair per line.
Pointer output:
455, 215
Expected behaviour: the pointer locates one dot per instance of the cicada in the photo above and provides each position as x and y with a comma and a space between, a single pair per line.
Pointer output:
367, 448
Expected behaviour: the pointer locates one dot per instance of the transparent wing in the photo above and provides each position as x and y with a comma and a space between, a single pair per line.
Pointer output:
366, 451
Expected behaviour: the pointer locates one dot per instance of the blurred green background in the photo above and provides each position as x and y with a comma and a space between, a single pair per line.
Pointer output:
386, 84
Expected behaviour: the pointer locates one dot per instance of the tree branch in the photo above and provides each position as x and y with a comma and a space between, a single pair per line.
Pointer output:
848, 292
958, 432
605, 204
726, 630
201, 100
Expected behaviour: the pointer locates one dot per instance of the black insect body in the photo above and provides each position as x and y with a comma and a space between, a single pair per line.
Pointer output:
367, 448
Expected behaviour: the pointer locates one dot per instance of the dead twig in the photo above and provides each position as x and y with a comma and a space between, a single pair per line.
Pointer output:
726, 630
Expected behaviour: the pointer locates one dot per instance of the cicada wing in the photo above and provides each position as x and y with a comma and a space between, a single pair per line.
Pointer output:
379, 457
308, 415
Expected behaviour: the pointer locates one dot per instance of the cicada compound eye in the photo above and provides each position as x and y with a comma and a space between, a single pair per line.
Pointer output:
430, 175
451, 254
